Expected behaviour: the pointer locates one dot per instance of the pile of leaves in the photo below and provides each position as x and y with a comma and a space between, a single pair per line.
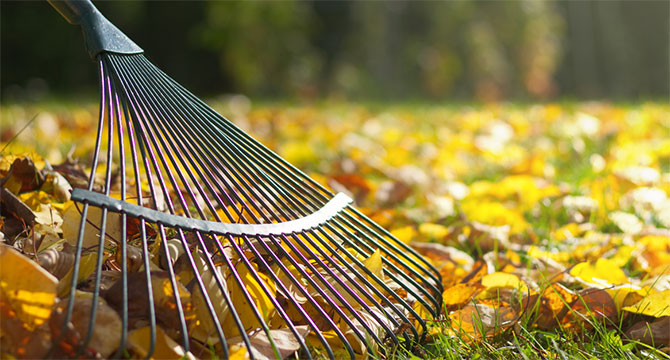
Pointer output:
549, 223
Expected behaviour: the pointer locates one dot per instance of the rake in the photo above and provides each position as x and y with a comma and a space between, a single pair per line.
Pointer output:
261, 252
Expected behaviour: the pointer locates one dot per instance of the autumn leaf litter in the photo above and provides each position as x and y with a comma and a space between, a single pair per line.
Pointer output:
549, 217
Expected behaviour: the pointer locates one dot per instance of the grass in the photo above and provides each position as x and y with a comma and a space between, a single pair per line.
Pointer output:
570, 158
523, 341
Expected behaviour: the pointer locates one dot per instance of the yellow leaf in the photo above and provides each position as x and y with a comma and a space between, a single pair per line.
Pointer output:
494, 214
460, 294
627, 294
558, 256
72, 221
237, 352
656, 305
374, 263
604, 273
26, 287
433, 231
568, 231
205, 331
261, 300
622, 255
502, 280
86, 268
404, 234
165, 348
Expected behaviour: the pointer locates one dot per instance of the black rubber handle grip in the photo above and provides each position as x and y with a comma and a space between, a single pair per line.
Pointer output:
100, 35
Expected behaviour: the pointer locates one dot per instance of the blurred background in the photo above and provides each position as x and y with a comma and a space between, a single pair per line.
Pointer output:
359, 50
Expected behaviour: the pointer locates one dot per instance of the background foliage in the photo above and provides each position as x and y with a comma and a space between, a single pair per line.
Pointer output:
490, 50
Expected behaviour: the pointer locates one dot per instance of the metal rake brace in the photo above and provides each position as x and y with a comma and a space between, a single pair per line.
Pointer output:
252, 250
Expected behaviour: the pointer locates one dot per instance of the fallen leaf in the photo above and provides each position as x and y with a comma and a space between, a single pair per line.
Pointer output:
26, 287
14, 206
405, 234
106, 334
87, 266
23, 176
17, 340
627, 294
261, 299
591, 306
435, 232
458, 295
284, 340
165, 348
656, 305
205, 330
554, 304
72, 222
603, 274
478, 320
655, 333
374, 264
163, 297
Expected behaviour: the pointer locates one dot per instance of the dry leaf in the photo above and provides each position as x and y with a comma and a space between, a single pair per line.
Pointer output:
591, 306
262, 349
554, 305
479, 320
261, 300
603, 274
656, 333
26, 287
106, 335
458, 295
163, 296
23, 176
17, 340
87, 266
72, 221
205, 330
165, 348
656, 305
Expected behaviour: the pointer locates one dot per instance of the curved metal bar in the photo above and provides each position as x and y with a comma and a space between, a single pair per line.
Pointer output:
334, 206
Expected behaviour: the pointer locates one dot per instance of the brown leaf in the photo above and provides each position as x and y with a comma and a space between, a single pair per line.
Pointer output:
656, 333
23, 176
74, 173
72, 221
284, 339
591, 306
390, 194
138, 303
480, 320
18, 217
106, 336
554, 305
351, 183
134, 258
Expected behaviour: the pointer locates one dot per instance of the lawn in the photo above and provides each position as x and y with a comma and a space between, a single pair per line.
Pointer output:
550, 223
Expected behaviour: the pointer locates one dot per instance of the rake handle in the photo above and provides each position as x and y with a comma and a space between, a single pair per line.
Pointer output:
100, 35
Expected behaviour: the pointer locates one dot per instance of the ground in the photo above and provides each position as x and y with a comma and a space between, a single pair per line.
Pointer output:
549, 222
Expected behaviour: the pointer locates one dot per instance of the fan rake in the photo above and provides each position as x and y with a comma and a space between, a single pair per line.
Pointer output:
248, 249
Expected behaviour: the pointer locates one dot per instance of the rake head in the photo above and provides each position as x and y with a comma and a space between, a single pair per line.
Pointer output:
221, 244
